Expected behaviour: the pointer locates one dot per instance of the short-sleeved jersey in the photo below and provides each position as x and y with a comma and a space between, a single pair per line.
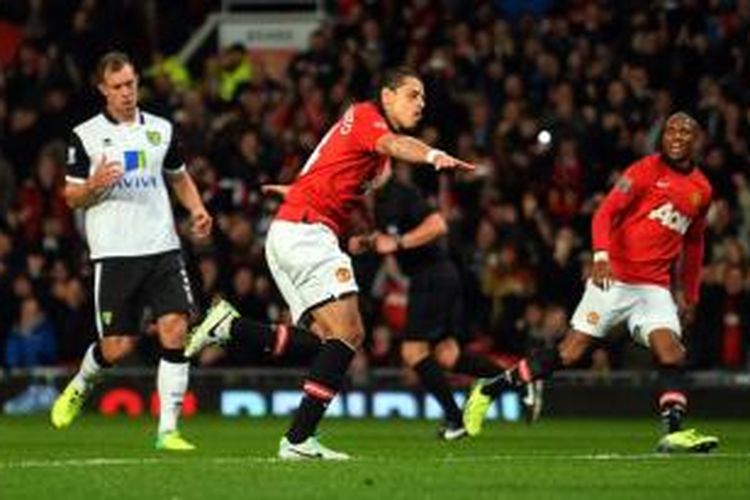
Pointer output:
658, 206
339, 172
399, 208
134, 217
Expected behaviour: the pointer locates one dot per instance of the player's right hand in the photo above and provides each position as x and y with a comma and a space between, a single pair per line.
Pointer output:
445, 160
279, 189
386, 243
601, 274
201, 222
685, 309
107, 173
360, 244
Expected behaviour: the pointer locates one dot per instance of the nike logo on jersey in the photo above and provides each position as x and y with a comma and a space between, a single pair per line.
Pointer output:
662, 184
670, 218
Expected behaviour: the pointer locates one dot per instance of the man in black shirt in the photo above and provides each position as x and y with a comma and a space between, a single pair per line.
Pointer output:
410, 229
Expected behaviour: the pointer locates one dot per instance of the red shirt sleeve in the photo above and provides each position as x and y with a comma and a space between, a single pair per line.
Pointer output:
367, 126
692, 258
628, 188
692, 263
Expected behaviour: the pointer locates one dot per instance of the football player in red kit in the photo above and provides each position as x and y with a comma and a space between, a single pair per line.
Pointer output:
652, 220
303, 245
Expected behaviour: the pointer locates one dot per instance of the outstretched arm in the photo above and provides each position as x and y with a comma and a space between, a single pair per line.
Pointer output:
432, 227
409, 149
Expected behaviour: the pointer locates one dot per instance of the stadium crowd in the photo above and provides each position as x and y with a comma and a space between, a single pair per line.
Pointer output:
551, 99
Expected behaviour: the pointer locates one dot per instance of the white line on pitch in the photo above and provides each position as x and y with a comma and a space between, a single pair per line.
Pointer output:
111, 462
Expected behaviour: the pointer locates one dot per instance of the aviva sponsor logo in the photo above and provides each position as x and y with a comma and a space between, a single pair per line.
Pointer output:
138, 182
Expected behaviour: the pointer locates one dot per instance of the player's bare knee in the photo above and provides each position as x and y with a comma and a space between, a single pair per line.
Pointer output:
116, 348
568, 357
673, 355
667, 348
446, 353
341, 320
172, 330
572, 348
353, 339
414, 352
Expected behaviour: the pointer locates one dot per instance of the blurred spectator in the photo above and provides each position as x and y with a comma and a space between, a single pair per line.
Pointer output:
72, 311
720, 337
31, 341
550, 99
235, 70
43, 215
7, 187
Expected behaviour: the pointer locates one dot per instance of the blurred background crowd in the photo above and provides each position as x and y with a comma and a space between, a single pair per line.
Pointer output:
552, 99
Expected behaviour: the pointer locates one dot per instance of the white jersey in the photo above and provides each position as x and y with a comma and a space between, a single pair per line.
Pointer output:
134, 217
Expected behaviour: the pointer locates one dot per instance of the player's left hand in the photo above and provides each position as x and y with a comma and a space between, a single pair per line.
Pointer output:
445, 160
601, 274
360, 244
386, 243
201, 223
278, 189
685, 309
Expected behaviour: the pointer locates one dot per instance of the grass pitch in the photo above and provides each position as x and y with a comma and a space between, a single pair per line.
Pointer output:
100, 458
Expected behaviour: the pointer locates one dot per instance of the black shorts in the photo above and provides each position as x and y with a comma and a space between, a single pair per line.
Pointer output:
124, 287
435, 307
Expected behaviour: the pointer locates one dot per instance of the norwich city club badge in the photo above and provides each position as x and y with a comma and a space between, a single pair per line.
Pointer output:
154, 137
107, 317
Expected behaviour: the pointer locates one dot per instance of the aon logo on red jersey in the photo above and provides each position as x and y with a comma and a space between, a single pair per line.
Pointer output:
669, 217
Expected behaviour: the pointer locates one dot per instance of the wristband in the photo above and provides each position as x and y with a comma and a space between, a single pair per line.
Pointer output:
432, 155
399, 241
601, 256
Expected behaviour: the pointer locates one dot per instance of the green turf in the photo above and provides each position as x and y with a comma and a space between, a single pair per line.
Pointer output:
112, 458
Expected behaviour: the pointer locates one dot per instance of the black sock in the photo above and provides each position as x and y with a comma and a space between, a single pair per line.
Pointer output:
276, 339
475, 365
498, 384
321, 385
300, 343
433, 379
672, 397
539, 364
173, 355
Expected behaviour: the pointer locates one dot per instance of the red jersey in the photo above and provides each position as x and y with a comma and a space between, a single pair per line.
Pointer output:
338, 173
652, 216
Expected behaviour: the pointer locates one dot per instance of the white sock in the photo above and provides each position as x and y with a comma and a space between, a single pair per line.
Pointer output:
172, 382
88, 371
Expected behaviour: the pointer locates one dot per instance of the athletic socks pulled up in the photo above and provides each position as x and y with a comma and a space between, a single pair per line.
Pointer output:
672, 398
91, 366
433, 379
276, 340
323, 382
539, 364
171, 383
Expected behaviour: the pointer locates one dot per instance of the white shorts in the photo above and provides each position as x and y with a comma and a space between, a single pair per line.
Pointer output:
645, 308
307, 265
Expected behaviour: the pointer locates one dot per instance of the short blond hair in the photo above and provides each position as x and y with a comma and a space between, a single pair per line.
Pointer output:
111, 61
